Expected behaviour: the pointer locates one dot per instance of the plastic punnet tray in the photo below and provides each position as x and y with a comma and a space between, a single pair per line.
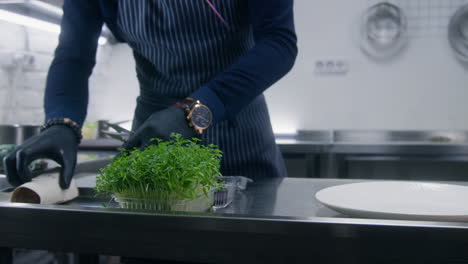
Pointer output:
219, 198
199, 204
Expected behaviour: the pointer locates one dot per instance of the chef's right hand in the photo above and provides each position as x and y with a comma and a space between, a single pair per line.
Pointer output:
58, 143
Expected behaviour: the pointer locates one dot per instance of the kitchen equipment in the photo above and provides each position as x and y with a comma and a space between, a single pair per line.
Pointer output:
399, 155
116, 135
403, 200
17, 134
458, 33
402, 136
383, 30
120, 132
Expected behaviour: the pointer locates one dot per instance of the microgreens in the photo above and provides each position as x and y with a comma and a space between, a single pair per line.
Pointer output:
168, 170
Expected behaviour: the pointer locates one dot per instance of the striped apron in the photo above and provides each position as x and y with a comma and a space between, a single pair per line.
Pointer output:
179, 45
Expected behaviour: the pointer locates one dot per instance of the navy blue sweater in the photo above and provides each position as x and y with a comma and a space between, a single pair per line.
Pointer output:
226, 94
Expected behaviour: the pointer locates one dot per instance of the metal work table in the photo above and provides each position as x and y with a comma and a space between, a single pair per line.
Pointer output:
441, 155
287, 144
275, 221
349, 141
329, 153
403, 148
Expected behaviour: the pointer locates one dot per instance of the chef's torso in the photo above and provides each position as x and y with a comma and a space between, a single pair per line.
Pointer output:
180, 45
183, 41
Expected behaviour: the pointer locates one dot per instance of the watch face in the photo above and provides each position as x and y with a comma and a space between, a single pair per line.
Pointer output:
201, 116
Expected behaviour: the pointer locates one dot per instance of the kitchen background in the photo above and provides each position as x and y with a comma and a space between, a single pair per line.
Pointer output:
422, 87
334, 85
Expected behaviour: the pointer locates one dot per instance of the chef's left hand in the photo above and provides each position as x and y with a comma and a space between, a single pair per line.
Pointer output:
160, 125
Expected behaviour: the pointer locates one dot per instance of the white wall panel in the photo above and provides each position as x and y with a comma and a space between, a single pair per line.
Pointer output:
423, 88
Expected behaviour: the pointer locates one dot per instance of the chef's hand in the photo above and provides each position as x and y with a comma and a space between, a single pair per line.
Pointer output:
160, 125
58, 143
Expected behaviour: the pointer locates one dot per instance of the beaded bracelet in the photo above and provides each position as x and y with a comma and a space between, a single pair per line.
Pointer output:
66, 122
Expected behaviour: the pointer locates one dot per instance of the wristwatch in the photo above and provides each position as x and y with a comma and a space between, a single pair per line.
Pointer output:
199, 116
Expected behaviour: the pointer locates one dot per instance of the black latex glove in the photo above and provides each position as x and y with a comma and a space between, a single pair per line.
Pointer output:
160, 125
58, 143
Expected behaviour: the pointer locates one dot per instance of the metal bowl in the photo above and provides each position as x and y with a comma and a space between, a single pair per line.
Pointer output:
17, 134
458, 33
383, 30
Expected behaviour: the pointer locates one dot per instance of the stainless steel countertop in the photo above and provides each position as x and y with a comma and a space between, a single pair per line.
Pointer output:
281, 197
272, 198
271, 222
288, 197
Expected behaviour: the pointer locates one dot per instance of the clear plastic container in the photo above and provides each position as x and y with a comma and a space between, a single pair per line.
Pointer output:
217, 198
225, 195
200, 204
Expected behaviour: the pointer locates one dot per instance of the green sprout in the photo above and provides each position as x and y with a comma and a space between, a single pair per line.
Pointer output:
168, 170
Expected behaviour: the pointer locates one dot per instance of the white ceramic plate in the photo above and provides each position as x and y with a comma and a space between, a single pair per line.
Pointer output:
398, 200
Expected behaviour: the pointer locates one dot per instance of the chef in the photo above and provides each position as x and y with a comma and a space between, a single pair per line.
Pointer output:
202, 68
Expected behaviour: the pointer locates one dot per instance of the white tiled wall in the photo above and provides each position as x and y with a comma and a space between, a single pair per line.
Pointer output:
113, 92
25, 57
423, 88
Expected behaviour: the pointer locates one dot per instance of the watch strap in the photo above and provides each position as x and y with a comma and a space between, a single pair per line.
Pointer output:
186, 104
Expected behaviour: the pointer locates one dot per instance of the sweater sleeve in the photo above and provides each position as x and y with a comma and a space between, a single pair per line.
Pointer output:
66, 93
269, 60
